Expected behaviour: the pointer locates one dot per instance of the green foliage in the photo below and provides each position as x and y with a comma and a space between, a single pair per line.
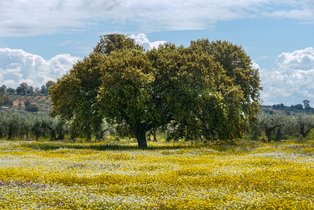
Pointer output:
197, 93
74, 97
30, 107
45, 88
282, 125
112, 42
304, 123
209, 90
25, 125
24, 89
125, 92
238, 67
4, 99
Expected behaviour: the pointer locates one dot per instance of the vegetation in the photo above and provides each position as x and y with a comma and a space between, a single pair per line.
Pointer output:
19, 124
208, 90
52, 175
200, 96
278, 125
25, 97
300, 108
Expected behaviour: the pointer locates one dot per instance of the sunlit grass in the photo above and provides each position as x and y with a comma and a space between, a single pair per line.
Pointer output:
248, 175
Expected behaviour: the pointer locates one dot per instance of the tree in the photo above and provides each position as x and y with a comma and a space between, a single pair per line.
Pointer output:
238, 66
4, 99
125, 93
305, 124
194, 88
195, 94
10, 91
31, 107
112, 42
306, 104
74, 97
3, 89
24, 89
269, 122
43, 90
298, 107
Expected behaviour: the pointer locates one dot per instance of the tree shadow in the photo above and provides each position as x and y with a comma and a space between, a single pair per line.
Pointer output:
46, 146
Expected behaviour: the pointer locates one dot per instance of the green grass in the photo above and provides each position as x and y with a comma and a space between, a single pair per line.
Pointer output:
247, 175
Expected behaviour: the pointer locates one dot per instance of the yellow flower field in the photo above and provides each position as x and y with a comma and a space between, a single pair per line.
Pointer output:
249, 175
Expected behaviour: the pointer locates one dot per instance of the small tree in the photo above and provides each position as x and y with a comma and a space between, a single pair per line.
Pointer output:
269, 122
305, 123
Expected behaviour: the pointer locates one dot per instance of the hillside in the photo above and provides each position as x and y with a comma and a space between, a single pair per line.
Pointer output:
20, 102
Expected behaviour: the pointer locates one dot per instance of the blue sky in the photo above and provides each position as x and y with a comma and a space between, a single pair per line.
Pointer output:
41, 40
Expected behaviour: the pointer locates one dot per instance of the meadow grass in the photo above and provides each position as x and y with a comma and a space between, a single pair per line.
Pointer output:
246, 175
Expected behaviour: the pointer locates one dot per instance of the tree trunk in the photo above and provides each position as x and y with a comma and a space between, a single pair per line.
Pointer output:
302, 130
141, 138
37, 136
52, 134
10, 134
279, 134
155, 137
268, 134
60, 135
72, 138
88, 138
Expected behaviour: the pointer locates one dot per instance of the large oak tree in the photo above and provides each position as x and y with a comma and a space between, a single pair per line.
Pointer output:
209, 88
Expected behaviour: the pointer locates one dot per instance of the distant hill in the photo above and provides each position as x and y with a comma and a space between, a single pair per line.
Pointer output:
43, 103
298, 108
38, 103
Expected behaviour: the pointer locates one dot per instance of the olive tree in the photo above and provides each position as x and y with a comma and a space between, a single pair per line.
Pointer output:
304, 124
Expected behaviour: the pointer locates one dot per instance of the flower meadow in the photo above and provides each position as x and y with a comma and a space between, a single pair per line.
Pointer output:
246, 175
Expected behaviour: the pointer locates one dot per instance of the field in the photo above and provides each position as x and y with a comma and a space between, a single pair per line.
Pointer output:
248, 175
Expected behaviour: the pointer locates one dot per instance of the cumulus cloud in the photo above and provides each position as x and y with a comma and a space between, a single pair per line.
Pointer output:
291, 80
255, 65
142, 40
17, 66
20, 18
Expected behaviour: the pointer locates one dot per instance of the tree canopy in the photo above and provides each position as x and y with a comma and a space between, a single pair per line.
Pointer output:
208, 90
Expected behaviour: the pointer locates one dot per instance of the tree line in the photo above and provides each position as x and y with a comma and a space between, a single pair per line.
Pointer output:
274, 125
26, 90
25, 125
270, 126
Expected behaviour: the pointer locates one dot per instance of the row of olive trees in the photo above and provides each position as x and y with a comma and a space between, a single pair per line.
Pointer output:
20, 124
25, 125
277, 126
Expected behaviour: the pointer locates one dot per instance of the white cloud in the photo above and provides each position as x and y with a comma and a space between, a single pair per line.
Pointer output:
32, 17
291, 80
17, 66
142, 40
255, 65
